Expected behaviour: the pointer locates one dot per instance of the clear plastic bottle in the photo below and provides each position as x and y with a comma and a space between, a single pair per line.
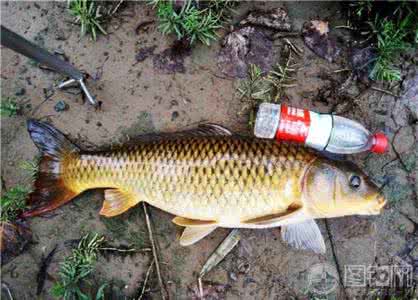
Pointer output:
324, 132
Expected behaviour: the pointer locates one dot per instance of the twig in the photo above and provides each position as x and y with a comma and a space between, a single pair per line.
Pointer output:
117, 7
344, 27
200, 285
384, 91
6, 287
154, 252
125, 250
285, 34
146, 279
45, 262
293, 47
221, 251
341, 70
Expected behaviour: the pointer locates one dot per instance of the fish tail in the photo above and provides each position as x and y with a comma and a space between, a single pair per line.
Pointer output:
50, 190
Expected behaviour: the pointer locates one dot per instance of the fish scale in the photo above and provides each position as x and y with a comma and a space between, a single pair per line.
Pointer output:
227, 179
208, 178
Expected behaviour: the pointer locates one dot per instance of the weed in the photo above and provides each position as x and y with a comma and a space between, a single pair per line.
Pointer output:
268, 87
92, 15
391, 40
88, 15
76, 269
30, 166
391, 27
12, 202
192, 22
9, 108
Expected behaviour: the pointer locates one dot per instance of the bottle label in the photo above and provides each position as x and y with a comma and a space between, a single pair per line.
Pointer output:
294, 124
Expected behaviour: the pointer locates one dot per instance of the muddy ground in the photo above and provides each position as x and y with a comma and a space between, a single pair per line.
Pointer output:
139, 98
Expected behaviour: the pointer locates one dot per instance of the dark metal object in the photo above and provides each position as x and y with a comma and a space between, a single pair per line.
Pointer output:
19, 44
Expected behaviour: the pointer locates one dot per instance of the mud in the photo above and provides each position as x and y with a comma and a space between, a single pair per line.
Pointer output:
138, 98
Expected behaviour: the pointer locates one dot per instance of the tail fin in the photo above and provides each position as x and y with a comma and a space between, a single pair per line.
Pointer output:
50, 190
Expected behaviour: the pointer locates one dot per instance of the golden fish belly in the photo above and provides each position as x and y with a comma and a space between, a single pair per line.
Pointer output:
224, 179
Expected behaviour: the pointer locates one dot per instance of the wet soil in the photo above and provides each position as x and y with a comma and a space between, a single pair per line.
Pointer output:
138, 97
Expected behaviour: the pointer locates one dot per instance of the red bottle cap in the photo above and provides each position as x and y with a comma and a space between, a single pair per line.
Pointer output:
380, 143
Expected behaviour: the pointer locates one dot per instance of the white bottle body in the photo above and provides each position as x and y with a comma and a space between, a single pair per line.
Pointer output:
323, 132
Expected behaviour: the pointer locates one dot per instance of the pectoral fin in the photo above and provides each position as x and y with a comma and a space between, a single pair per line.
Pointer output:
192, 235
305, 235
275, 220
192, 222
117, 202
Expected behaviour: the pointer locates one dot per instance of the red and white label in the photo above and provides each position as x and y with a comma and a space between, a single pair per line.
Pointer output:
294, 124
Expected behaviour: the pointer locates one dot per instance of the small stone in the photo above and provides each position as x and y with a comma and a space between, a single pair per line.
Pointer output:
144, 53
20, 92
174, 115
61, 106
233, 276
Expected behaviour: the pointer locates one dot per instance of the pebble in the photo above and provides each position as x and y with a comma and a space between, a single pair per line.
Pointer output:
174, 115
20, 92
61, 106
233, 276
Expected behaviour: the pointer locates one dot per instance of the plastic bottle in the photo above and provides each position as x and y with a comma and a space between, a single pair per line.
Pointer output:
324, 132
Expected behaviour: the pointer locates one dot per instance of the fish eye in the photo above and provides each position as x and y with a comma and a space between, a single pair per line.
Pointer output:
355, 181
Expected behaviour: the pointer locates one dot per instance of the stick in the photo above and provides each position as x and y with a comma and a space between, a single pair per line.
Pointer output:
221, 251
154, 252
199, 282
146, 279
293, 47
385, 91
125, 250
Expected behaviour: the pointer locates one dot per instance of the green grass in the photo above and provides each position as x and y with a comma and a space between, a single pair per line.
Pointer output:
9, 108
270, 87
12, 202
391, 28
76, 269
89, 15
191, 22
391, 41
30, 167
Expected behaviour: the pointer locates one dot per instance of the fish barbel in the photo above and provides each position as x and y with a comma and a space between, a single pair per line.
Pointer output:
207, 178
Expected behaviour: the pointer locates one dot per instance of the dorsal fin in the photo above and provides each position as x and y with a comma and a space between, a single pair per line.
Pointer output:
208, 129
202, 130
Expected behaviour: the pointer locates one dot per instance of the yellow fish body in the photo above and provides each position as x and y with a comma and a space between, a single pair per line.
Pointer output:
208, 178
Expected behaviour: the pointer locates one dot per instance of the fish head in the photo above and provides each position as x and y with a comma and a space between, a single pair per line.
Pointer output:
336, 188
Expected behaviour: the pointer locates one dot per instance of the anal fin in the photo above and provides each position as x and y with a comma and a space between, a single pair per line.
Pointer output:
192, 235
117, 202
304, 235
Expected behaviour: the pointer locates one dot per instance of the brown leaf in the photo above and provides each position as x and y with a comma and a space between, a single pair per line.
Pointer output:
315, 35
14, 239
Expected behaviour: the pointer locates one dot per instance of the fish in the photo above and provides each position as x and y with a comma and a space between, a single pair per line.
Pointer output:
207, 178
